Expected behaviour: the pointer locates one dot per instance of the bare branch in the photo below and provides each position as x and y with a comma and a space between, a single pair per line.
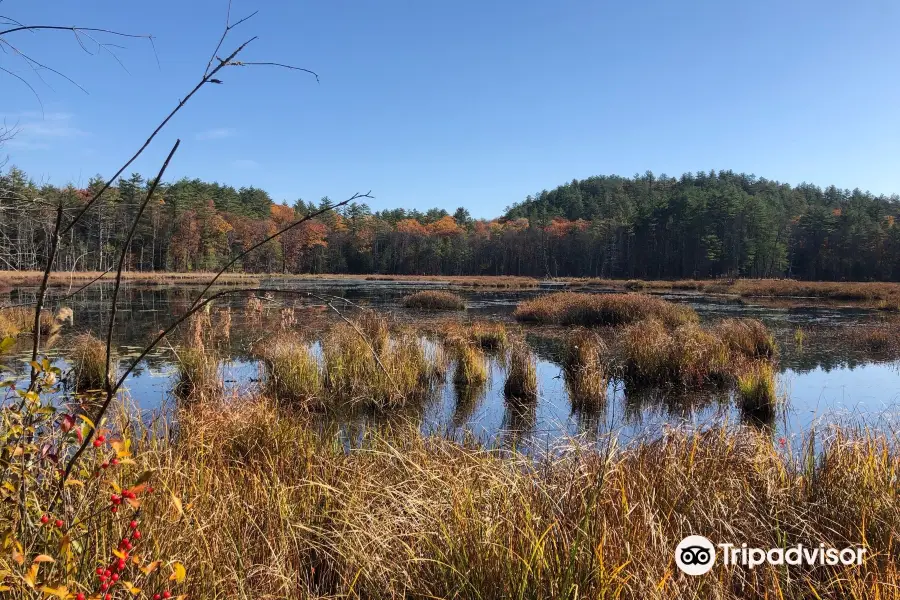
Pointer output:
238, 63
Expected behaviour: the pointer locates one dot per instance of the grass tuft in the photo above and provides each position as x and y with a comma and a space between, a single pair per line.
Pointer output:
88, 358
590, 310
434, 300
756, 389
521, 374
292, 370
583, 369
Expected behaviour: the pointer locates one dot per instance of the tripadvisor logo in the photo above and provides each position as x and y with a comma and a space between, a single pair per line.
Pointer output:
696, 555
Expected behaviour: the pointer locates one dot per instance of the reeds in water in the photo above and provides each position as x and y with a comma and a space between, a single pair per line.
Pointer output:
471, 365
590, 310
357, 373
687, 355
293, 372
434, 300
747, 337
583, 369
88, 358
756, 389
521, 374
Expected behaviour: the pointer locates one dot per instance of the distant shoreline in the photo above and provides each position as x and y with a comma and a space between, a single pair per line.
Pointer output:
881, 294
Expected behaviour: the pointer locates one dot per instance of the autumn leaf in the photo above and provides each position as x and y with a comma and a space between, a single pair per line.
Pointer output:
41, 558
151, 567
178, 572
60, 592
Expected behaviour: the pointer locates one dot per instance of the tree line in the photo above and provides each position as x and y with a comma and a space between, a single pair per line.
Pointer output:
716, 224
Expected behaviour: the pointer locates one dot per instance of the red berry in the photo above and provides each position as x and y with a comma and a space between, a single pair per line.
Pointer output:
107, 573
45, 519
104, 586
101, 439
99, 570
107, 597
114, 577
115, 461
114, 509
133, 524
167, 594
156, 597
97, 443
58, 523
121, 564
80, 596
149, 489
136, 535
104, 465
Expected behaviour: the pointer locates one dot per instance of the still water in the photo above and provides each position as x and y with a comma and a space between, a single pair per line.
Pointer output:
822, 381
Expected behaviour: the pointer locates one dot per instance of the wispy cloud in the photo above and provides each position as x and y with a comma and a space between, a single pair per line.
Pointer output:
215, 134
244, 163
36, 131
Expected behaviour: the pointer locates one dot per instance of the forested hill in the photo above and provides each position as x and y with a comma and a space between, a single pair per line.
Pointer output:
700, 225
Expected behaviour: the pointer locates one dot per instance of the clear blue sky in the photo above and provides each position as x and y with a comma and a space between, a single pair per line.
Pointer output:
473, 103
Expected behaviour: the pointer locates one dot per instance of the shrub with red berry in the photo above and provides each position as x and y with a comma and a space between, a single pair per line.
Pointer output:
83, 537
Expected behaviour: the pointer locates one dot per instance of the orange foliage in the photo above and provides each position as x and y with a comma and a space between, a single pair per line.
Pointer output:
411, 226
444, 227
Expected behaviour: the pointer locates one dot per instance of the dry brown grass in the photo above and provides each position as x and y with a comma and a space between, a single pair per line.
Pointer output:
877, 293
584, 370
434, 300
274, 509
88, 359
521, 374
588, 310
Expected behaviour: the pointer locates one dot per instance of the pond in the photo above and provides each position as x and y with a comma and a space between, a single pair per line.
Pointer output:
822, 378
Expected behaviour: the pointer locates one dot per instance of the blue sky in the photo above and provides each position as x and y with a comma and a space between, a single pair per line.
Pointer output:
468, 103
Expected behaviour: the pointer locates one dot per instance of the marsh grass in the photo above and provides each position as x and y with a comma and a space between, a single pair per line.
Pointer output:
434, 300
583, 369
653, 354
354, 374
490, 336
19, 320
521, 374
274, 508
197, 361
88, 359
293, 372
756, 390
589, 310
471, 368
747, 337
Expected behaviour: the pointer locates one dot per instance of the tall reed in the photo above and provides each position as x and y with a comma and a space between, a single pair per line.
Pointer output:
521, 374
583, 369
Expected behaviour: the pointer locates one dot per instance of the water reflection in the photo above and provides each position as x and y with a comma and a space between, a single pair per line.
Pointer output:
823, 376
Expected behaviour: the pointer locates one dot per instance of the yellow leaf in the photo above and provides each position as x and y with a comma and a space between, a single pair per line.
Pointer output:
178, 572
59, 592
176, 502
119, 554
18, 557
151, 567
134, 590
31, 576
133, 502
43, 558
88, 421
74, 482
36, 366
